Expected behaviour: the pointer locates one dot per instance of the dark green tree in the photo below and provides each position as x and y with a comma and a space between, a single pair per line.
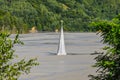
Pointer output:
9, 69
108, 63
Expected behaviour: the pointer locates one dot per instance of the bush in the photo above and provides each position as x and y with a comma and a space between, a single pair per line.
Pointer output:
10, 70
108, 63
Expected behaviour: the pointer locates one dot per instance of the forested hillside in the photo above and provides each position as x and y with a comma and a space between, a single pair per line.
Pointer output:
45, 15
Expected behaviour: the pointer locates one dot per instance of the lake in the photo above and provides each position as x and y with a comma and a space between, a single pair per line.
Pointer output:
74, 66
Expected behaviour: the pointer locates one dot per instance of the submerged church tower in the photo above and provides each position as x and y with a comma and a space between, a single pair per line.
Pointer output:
61, 47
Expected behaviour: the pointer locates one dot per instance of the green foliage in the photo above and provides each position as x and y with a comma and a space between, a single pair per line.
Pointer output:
108, 63
46, 14
10, 70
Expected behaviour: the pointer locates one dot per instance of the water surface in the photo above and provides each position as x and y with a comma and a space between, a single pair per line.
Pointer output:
75, 66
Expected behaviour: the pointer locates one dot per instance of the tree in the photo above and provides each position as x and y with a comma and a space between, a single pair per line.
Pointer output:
108, 63
10, 70
46, 14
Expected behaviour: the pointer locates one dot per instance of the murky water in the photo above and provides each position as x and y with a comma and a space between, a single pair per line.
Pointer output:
75, 66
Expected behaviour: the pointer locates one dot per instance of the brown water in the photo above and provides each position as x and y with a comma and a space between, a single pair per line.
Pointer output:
75, 66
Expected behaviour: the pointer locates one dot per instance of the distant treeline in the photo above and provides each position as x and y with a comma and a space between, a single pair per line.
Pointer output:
45, 15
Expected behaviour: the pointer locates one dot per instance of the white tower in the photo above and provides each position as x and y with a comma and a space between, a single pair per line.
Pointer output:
61, 47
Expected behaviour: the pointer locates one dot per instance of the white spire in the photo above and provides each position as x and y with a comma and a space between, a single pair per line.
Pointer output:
61, 48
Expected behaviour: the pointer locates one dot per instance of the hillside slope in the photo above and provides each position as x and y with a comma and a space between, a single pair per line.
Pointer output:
46, 14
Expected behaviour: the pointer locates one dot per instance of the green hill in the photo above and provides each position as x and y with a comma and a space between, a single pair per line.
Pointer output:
46, 14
